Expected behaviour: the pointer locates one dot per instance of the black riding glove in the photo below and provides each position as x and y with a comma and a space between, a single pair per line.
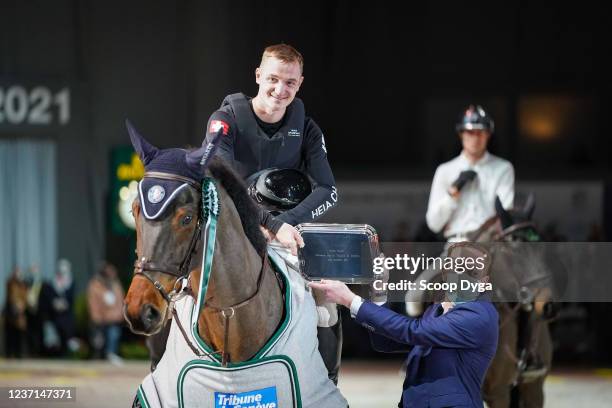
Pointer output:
464, 177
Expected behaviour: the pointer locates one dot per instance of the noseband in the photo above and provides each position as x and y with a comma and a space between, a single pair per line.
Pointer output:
143, 266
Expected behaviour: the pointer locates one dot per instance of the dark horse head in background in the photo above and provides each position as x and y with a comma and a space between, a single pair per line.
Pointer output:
169, 225
523, 271
522, 279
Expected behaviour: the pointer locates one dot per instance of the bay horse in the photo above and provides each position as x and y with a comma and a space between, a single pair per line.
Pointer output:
169, 250
241, 298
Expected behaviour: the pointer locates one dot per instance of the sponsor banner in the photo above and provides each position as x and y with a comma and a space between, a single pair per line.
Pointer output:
262, 398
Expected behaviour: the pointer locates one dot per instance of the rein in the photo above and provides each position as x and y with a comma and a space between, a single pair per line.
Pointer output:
229, 311
210, 210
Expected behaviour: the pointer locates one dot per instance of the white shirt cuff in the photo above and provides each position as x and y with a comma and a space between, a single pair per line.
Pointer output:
355, 305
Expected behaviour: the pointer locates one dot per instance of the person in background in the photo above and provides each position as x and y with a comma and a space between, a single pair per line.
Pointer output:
15, 320
464, 189
57, 311
105, 302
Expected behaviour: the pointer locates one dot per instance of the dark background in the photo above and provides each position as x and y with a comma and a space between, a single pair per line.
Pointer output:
384, 80
380, 78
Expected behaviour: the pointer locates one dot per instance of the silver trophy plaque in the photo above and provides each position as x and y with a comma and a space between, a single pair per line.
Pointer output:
343, 252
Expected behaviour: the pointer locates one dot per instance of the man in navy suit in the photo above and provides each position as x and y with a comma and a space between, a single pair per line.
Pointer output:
450, 347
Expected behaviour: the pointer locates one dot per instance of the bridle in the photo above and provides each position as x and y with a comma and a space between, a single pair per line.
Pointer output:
512, 229
525, 302
182, 274
142, 266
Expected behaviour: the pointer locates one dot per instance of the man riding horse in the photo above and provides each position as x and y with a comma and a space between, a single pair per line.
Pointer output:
269, 142
465, 189
269, 138
243, 326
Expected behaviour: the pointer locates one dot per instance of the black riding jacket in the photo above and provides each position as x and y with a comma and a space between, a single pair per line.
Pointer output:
297, 143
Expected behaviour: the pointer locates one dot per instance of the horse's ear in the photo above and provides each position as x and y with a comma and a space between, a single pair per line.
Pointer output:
194, 159
198, 159
145, 150
529, 206
505, 217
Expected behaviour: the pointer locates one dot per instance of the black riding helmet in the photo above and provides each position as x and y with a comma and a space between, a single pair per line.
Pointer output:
475, 118
279, 190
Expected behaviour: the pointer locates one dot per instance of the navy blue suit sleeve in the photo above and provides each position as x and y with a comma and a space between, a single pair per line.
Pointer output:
385, 344
324, 195
459, 328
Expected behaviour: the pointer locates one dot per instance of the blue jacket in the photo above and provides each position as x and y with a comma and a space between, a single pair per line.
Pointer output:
449, 353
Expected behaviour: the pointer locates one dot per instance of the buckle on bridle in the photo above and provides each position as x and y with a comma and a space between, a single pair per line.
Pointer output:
140, 265
180, 289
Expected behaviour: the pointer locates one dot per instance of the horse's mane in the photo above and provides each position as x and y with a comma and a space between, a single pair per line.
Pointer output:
248, 211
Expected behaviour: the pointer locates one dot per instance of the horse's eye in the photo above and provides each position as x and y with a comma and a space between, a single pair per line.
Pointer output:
187, 219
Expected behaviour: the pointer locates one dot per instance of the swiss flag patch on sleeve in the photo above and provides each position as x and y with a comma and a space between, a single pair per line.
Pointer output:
216, 125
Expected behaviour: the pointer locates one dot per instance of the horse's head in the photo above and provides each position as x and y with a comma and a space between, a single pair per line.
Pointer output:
168, 225
520, 266
516, 224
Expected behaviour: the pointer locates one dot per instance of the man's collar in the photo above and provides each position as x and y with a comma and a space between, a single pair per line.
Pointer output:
264, 120
485, 158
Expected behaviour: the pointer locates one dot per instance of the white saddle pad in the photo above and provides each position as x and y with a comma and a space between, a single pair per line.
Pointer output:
267, 383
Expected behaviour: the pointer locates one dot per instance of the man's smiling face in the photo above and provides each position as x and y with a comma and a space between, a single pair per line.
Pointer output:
278, 82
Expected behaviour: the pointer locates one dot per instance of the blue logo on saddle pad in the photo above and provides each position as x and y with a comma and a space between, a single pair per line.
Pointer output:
264, 398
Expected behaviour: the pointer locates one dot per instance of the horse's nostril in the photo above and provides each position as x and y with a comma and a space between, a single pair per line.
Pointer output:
150, 316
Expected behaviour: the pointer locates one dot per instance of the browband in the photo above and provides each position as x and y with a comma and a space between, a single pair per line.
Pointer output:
175, 177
